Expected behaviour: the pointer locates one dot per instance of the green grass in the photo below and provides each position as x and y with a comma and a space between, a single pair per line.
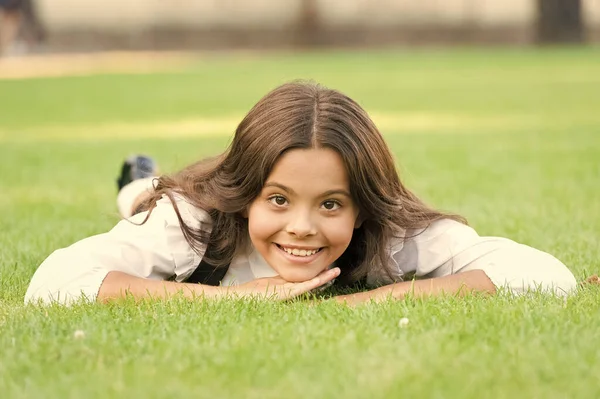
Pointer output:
508, 138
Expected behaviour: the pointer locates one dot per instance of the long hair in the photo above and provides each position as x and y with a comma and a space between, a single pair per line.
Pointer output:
300, 115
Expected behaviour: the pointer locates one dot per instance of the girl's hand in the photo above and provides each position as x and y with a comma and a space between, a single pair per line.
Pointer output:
281, 289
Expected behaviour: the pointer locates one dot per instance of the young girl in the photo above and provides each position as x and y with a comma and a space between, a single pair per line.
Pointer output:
306, 193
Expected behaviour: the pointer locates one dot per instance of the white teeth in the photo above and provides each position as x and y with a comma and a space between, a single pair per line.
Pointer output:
300, 252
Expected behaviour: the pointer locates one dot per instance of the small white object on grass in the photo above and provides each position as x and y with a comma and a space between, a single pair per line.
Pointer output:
403, 322
79, 334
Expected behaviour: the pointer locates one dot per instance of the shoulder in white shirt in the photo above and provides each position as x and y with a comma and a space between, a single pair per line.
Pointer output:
448, 247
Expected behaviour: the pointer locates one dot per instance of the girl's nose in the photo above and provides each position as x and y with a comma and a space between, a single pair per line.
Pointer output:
301, 225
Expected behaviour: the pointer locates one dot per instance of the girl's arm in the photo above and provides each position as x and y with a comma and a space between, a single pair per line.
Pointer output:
155, 250
455, 284
120, 285
451, 258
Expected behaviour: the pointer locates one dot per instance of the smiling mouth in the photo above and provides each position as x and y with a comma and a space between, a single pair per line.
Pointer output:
300, 253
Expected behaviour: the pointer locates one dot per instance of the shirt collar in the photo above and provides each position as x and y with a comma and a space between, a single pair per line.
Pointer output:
259, 266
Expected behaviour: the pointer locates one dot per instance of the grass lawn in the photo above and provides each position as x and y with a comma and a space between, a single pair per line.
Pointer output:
508, 138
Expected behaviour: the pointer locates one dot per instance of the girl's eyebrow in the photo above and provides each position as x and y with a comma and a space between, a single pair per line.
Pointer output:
291, 191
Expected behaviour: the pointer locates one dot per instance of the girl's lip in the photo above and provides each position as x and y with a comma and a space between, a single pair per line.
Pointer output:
297, 247
299, 259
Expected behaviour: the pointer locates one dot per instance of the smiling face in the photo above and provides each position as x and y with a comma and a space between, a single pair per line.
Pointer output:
304, 218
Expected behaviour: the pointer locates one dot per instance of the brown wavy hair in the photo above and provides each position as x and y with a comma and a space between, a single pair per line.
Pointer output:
300, 115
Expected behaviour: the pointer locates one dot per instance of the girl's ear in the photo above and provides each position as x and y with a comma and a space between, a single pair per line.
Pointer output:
359, 221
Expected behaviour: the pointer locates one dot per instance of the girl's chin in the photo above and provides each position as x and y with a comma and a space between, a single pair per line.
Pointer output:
297, 276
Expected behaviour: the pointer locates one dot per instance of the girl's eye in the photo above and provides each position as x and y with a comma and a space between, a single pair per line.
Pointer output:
331, 205
278, 200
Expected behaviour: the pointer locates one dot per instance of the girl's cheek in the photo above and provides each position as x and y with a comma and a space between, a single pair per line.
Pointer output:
340, 230
262, 222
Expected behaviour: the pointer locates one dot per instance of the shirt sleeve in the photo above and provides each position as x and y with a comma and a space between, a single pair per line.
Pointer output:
156, 249
449, 247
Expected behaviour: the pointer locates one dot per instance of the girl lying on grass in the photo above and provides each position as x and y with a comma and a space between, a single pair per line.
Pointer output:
306, 194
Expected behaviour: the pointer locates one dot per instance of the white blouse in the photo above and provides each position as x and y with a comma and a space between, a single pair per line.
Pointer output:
157, 250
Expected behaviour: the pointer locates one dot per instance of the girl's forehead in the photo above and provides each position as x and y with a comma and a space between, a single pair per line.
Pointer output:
310, 167
307, 159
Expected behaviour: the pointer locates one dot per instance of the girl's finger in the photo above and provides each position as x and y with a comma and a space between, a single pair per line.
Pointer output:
329, 275
321, 279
